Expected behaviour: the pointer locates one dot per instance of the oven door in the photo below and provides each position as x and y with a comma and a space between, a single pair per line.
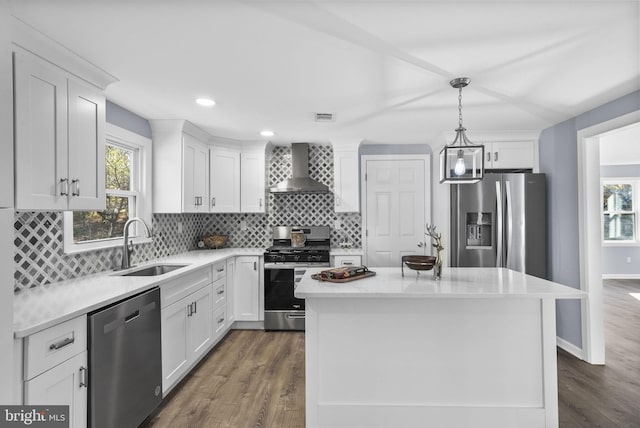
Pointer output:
282, 310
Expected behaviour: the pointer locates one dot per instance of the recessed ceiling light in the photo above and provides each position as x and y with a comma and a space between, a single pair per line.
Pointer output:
267, 133
205, 102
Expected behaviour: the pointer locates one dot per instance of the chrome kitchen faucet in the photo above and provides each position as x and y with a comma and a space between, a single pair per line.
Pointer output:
127, 247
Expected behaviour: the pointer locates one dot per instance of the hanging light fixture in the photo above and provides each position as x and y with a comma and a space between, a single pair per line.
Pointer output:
461, 161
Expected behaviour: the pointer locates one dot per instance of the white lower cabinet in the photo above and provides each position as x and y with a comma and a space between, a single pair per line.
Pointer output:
246, 291
187, 333
65, 384
231, 270
340, 261
55, 368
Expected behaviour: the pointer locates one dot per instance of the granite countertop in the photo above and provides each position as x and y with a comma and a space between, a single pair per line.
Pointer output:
455, 283
40, 307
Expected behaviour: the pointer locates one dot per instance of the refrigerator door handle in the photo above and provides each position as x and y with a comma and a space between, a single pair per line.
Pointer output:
509, 227
499, 221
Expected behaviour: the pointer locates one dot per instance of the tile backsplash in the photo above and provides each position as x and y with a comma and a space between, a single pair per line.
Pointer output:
39, 256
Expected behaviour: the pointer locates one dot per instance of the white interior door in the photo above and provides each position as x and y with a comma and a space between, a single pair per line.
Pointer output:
397, 206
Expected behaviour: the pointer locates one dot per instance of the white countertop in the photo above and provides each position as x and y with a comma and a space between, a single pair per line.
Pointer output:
40, 307
347, 252
455, 283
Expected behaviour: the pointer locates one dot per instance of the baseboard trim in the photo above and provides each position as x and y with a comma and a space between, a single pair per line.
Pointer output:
621, 276
570, 348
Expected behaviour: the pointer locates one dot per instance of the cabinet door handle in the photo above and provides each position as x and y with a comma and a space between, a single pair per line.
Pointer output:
495, 156
488, 156
58, 345
220, 292
337, 200
347, 263
213, 202
220, 320
255, 265
195, 307
260, 202
189, 309
64, 187
83, 377
75, 183
220, 270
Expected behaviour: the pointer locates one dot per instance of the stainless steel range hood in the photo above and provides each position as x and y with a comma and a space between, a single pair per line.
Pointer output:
300, 182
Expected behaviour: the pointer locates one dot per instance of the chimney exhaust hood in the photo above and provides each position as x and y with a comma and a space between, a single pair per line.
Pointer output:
300, 182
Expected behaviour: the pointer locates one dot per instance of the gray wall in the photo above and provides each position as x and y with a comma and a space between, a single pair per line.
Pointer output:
123, 118
614, 258
558, 159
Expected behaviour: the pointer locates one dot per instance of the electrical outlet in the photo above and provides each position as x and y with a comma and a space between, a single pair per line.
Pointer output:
243, 225
628, 259
337, 225
180, 227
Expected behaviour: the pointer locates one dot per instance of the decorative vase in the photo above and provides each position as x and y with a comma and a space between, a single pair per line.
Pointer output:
437, 267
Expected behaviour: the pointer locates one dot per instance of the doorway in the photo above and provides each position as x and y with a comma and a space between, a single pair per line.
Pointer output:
396, 206
589, 208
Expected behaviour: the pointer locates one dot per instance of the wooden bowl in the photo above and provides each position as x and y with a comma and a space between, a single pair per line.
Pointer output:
214, 241
419, 262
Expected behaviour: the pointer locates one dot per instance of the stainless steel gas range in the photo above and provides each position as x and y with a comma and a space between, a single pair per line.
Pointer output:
294, 249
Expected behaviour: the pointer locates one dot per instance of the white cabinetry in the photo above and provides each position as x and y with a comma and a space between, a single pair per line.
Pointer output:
59, 138
246, 293
509, 155
252, 181
354, 260
224, 180
195, 175
346, 181
231, 269
55, 368
186, 324
180, 167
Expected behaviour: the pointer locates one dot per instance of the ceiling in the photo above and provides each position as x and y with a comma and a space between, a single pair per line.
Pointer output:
381, 67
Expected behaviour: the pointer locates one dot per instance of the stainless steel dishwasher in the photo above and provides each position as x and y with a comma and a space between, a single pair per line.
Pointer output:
125, 367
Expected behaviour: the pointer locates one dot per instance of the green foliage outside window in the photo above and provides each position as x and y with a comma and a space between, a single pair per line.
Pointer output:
93, 225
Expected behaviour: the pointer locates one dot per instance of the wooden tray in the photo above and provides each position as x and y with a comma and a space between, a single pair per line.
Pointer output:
320, 278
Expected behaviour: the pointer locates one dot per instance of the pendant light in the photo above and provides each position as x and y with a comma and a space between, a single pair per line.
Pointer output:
461, 161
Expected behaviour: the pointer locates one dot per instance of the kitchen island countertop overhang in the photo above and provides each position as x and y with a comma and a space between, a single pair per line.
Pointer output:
455, 283
477, 348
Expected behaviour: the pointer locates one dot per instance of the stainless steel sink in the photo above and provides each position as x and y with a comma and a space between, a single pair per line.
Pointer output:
152, 270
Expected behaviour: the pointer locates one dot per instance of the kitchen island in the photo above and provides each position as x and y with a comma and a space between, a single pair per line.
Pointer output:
477, 348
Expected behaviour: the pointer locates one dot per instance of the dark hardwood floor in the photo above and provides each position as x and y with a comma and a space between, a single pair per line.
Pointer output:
609, 395
255, 379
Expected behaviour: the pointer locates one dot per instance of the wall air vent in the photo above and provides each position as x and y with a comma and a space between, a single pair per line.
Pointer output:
324, 117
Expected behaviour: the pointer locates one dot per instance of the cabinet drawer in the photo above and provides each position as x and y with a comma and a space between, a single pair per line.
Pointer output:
220, 293
219, 270
50, 347
184, 285
219, 321
347, 261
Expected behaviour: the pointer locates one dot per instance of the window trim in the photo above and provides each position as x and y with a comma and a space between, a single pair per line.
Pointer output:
124, 138
635, 183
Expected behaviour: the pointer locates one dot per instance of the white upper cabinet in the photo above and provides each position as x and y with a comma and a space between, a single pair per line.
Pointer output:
195, 175
346, 176
252, 181
237, 178
180, 167
510, 155
224, 181
59, 138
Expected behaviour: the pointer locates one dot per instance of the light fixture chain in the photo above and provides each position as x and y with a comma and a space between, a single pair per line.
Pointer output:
460, 107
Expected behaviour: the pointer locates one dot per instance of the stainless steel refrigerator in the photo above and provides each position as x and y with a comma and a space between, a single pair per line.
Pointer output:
500, 222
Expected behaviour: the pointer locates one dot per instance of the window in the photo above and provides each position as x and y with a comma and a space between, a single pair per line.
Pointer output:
618, 211
127, 175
